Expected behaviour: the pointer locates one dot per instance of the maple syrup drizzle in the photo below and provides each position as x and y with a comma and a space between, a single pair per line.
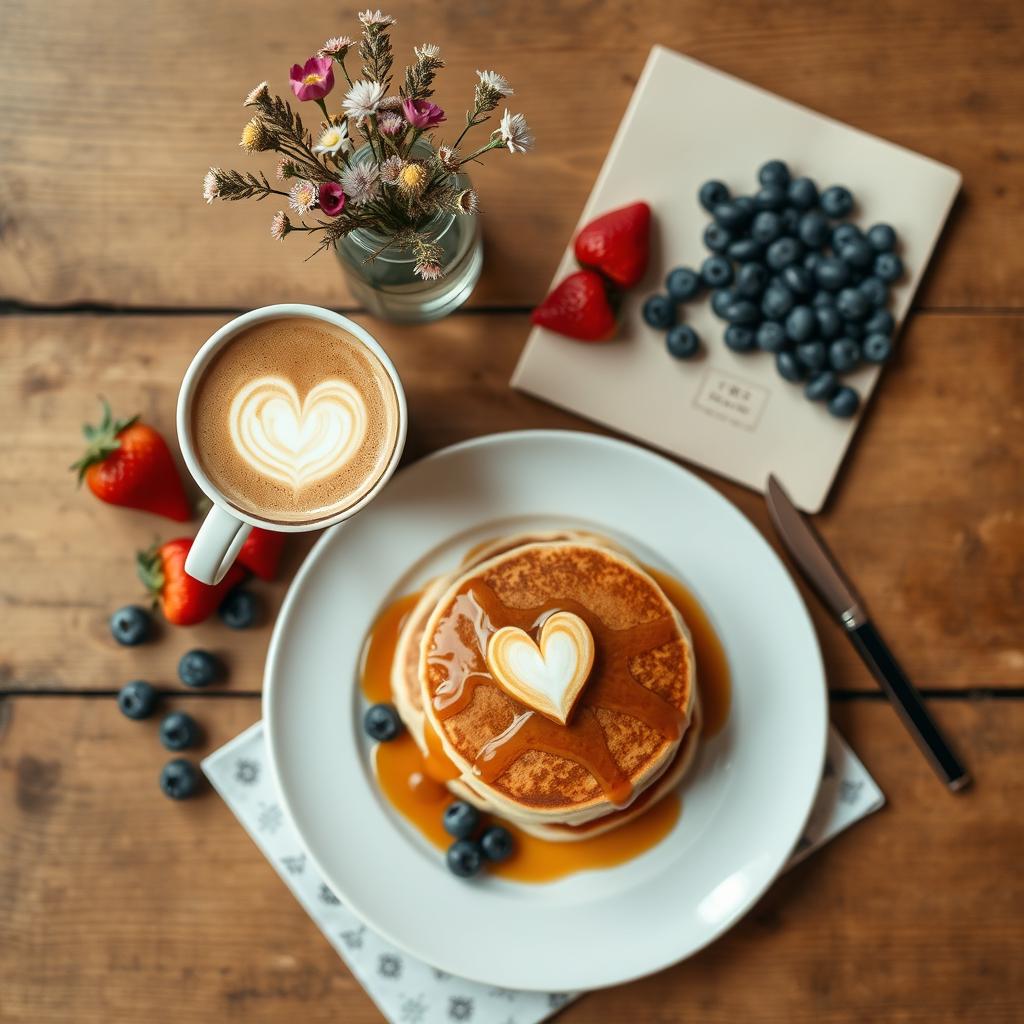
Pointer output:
611, 685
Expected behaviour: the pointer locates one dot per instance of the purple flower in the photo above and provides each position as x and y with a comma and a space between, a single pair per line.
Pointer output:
332, 198
314, 79
422, 114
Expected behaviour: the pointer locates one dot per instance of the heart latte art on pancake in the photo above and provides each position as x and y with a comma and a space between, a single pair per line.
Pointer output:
548, 676
297, 442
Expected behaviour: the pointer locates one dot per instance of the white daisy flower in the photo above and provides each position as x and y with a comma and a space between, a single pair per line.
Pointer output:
279, 226
492, 80
336, 47
334, 139
211, 184
302, 197
427, 51
360, 183
363, 99
369, 17
467, 201
515, 133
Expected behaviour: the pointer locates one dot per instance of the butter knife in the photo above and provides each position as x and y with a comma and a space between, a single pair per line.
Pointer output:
835, 591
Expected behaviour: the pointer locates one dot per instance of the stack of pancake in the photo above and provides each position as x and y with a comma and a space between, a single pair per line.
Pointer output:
566, 735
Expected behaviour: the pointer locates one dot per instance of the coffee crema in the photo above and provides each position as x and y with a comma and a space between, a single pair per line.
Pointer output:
294, 420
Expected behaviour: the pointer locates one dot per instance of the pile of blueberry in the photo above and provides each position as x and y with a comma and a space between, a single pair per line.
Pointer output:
467, 855
791, 276
133, 625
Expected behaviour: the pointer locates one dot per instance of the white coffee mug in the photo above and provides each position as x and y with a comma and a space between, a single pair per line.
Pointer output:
226, 527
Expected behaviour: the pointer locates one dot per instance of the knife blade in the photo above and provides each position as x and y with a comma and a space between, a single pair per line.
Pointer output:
832, 587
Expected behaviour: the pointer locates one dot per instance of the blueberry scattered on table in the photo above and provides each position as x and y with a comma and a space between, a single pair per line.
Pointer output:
801, 323
812, 354
464, 858
240, 609
880, 322
844, 355
844, 402
782, 252
131, 625
888, 266
730, 215
798, 280
771, 197
137, 699
777, 301
200, 668
837, 202
751, 280
877, 348
461, 819
830, 323
682, 341
179, 731
843, 235
788, 367
660, 311
745, 250
771, 337
179, 779
716, 238
882, 238
712, 194
716, 272
857, 253
875, 290
497, 844
822, 386
766, 228
742, 311
381, 722
740, 338
682, 284
774, 172
832, 273
852, 305
803, 193
813, 229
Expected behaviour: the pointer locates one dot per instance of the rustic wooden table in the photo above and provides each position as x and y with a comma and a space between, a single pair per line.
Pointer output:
117, 905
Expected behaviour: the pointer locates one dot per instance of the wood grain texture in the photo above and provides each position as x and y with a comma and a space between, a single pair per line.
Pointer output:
929, 520
120, 905
111, 116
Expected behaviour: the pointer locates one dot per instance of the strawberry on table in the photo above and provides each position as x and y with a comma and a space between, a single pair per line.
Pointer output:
578, 308
183, 600
128, 463
617, 244
261, 552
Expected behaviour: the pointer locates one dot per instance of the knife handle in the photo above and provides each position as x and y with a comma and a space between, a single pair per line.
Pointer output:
909, 705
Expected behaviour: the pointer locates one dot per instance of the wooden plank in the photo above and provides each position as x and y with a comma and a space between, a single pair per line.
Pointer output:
927, 515
118, 904
107, 134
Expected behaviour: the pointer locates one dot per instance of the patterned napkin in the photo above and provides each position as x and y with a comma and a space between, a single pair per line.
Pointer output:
406, 990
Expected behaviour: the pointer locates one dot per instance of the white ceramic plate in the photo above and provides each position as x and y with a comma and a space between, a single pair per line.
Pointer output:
744, 803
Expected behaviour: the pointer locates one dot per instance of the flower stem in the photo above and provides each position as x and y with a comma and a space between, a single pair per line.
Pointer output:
323, 106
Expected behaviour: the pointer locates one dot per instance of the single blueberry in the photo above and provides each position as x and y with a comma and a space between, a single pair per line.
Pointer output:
857, 253
381, 722
767, 226
880, 322
882, 238
137, 699
832, 273
774, 172
843, 234
240, 609
844, 402
813, 355
777, 301
823, 298
682, 284
875, 290
497, 843
660, 312
460, 819
782, 252
822, 386
745, 250
751, 280
721, 299
811, 261
844, 355
852, 305
888, 266
830, 323
716, 272
464, 858
771, 337
200, 668
877, 348
837, 202
740, 338
798, 280
771, 197
179, 779
716, 238
712, 193
801, 323
790, 218
682, 341
813, 229
178, 731
131, 625
731, 215
788, 366
747, 206
742, 312
803, 193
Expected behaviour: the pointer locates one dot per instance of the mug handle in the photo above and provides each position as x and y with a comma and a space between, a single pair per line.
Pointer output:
216, 546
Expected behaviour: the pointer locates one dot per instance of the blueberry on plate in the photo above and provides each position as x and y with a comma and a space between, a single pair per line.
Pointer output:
742, 312
771, 197
844, 355
716, 272
179, 779
682, 284
777, 301
745, 250
788, 366
803, 193
178, 731
497, 843
801, 323
137, 700
843, 234
813, 355
712, 193
716, 238
464, 858
771, 337
875, 290
798, 280
880, 322
682, 341
877, 348
837, 202
381, 722
740, 338
767, 226
200, 668
460, 819
844, 403
131, 625
857, 253
832, 273
852, 305
751, 280
240, 609
811, 261
721, 299
823, 298
881, 238
813, 229
782, 252
830, 323
790, 218
731, 215
774, 172
659, 311
822, 386
888, 266
746, 205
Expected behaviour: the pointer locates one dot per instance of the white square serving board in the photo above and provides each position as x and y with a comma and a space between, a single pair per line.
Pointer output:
732, 413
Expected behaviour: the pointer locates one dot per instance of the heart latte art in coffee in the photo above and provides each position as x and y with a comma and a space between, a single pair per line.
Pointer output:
295, 420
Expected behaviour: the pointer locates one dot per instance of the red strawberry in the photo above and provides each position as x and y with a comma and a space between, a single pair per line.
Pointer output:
129, 464
261, 552
183, 600
617, 244
578, 308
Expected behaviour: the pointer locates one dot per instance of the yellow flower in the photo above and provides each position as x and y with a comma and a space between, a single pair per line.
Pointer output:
412, 179
256, 136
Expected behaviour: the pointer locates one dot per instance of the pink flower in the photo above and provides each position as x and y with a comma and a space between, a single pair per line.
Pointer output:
332, 198
422, 113
314, 79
